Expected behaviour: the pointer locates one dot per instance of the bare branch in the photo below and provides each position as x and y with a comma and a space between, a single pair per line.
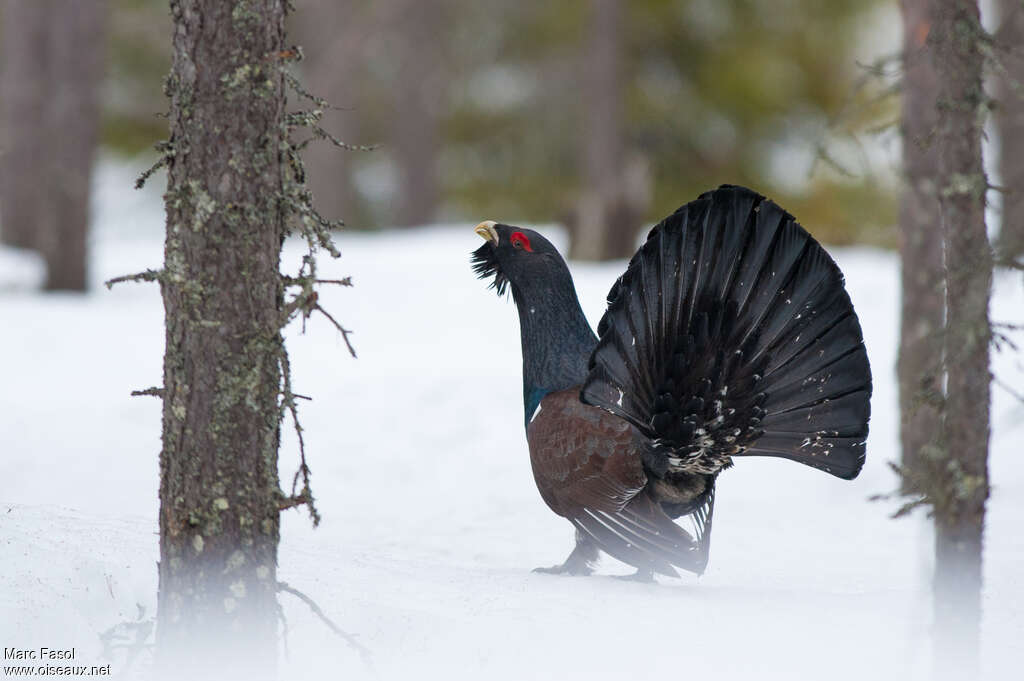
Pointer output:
304, 220
363, 651
305, 496
324, 135
1010, 263
303, 281
284, 628
153, 392
344, 332
1001, 340
291, 502
148, 275
140, 182
300, 90
1002, 384
119, 637
908, 507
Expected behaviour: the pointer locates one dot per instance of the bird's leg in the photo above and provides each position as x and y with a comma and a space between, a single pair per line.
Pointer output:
645, 575
579, 562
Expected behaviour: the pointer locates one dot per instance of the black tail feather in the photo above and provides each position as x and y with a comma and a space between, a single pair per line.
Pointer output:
642, 535
623, 545
731, 334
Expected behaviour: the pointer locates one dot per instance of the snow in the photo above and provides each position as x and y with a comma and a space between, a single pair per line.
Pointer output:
432, 521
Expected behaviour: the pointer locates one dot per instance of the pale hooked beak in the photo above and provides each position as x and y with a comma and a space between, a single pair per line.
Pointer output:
486, 230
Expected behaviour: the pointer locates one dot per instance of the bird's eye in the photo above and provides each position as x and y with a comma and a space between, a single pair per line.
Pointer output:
520, 241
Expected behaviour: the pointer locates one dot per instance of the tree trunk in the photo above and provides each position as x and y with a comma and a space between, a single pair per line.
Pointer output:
54, 54
961, 488
607, 217
923, 304
77, 55
417, 112
222, 298
23, 98
1009, 120
330, 36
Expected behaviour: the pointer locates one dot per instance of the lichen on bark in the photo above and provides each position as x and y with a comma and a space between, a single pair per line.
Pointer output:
236, 189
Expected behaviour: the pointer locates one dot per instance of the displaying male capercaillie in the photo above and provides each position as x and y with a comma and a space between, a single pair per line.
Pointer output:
730, 334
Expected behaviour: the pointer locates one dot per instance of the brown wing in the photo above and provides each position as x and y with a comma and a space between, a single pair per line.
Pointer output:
588, 469
582, 456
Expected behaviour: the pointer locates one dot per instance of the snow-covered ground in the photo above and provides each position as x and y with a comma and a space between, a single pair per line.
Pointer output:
431, 518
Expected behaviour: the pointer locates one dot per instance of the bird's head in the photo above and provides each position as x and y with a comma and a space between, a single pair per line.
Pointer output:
517, 256
557, 340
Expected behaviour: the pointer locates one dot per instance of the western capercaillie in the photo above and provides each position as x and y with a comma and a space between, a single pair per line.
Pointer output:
730, 334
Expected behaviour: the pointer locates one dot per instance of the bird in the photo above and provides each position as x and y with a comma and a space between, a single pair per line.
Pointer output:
729, 335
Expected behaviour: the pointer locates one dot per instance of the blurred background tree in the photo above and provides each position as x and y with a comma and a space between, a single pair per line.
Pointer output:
583, 112
53, 63
1009, 125
922, 279
547, 108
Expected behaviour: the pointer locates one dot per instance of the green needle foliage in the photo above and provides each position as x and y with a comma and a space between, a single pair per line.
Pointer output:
754, 92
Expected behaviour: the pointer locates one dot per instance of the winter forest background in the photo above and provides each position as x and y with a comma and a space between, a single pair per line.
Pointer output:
589, 120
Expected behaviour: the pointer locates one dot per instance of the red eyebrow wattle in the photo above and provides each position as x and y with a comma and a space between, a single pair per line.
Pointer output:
521, 239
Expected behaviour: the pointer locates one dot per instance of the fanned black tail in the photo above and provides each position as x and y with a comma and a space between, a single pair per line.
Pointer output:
731, 334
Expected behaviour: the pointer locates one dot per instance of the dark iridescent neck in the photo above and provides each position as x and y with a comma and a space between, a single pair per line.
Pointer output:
557, 339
